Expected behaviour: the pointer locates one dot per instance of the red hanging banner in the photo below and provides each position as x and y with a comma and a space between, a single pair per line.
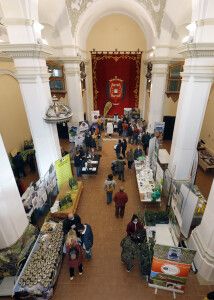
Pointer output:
116, 80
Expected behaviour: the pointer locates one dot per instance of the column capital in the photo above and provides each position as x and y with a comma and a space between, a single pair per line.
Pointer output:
201, 73
26, 50
194, 50
17, 21
30, 74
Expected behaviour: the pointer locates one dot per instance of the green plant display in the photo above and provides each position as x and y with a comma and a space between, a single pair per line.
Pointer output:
65, 202
73, 183
152, 218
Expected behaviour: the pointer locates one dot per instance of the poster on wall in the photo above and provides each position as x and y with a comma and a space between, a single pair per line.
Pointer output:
63, 170
170, 267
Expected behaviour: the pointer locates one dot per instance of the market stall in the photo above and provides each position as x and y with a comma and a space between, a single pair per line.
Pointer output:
91, 164
149, 190
66, 201
41, 270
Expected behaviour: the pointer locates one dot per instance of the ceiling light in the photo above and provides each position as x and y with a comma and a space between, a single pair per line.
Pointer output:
153, 47
58, 112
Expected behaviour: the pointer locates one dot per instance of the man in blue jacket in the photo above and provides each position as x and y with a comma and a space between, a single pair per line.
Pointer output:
86, 238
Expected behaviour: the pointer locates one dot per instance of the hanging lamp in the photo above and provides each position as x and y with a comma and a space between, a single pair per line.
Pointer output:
58, 112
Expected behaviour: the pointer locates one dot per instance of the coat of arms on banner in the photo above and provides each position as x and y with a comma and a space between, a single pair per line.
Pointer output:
116, 89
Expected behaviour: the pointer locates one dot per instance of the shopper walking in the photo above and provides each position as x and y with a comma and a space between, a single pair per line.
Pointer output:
130, 158
109, 187
118, 148
87, 238
120, 200
75, 254
130, 133
120, 166
124, 147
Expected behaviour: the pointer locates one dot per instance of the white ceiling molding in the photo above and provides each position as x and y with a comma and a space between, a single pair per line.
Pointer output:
154, 7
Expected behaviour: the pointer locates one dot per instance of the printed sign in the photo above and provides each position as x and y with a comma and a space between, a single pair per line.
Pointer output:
171, 266
63, 170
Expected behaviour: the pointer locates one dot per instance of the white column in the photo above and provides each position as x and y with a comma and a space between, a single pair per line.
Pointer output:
33, 77
13, 220
157, 96
74, 91
143, 83
202, 240
196, 83
28, 52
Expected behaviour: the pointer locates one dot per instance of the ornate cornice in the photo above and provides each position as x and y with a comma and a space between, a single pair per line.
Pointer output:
154, 7
193, 50
26, 50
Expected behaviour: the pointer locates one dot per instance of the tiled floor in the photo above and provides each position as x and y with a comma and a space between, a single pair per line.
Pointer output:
105, 276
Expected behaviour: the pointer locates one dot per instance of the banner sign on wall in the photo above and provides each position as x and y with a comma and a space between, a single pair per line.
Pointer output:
116, 81
63, 170
170, 267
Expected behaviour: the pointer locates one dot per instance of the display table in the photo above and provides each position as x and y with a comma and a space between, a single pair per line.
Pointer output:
91, 165
163, 156
145, 181
206, 159
41, 270
75, 196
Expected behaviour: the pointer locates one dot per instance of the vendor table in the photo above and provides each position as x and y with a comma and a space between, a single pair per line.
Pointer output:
145, 181
91, 165
163, 156
75, 196
41, 270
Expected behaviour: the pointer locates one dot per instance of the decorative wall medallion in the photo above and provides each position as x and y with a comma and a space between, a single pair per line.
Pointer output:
154, 7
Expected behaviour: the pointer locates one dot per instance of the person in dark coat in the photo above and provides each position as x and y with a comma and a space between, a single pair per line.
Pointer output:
145, 141
87, 238
75, 254
124, 147
130, 133
120, 166
138, 152
120, 200
118, 148
134, 225
19, 165
120, 127
78, 164
71, 222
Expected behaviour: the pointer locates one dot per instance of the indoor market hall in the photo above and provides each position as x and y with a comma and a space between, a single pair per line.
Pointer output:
106, 149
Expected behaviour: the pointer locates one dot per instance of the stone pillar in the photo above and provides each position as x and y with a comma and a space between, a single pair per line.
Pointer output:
197, 79
13, 220
157, 96
29, 55
73, 84
143, 83
33, 77
202, 240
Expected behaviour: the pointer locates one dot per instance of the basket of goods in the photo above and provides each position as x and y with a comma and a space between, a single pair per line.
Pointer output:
65, 202
73, 183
